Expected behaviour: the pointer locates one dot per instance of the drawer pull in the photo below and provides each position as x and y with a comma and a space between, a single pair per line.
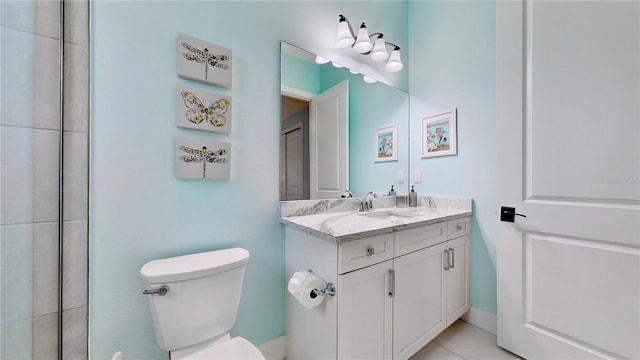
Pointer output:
371, 251
459, 227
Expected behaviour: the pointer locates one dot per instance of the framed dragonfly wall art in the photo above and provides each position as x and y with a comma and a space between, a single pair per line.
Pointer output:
202, 159
203, 61
203, 110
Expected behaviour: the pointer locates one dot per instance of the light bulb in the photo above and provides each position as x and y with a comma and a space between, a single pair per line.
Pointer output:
379, 52
362, 44
320, 60
369, 80
394, 64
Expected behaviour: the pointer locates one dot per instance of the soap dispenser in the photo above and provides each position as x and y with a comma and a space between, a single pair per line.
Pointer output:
392, 192
413, 198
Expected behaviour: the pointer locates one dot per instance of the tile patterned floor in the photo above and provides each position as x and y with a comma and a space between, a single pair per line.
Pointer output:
463, 341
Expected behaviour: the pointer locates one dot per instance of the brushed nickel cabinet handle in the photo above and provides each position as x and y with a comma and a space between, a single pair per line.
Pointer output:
392, 282
446, 263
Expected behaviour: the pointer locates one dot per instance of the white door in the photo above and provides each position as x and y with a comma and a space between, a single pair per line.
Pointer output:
568, 138
293, 161
457, 278
329, 142
365, 313
418, 303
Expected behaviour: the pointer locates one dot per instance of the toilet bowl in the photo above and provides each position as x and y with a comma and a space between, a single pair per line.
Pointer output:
194, 303
227, 348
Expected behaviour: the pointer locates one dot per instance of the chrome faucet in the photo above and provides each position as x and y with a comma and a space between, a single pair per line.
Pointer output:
346, 194
366, 204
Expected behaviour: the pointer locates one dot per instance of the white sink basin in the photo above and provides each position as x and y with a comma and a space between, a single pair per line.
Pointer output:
389, 215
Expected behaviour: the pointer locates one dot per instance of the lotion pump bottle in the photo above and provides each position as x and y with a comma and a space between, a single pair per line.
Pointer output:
413, 198
392, 192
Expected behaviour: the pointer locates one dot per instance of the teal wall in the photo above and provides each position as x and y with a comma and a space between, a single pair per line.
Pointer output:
373, 106
452, 57
300, 74
139, 211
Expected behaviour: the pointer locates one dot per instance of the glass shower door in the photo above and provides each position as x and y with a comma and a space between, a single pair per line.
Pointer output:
43, 180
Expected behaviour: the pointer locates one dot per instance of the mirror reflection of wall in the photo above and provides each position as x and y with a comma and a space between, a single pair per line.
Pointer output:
370, 107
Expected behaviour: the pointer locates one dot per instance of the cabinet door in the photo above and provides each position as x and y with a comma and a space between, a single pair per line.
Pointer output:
418, 305
457, 278
364, 313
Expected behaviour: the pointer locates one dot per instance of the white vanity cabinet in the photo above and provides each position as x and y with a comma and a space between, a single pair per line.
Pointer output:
457, 278
436, 274
419, 298
394, 292
365, 313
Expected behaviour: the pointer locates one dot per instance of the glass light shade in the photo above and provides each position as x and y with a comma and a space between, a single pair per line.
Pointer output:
320, 60
353, 72
369, 80
336, 65
379, 52
344, 38
363, 44
394, 64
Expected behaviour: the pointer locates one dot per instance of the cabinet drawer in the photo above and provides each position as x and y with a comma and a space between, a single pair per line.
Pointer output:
419, 238
458, 227
359, 253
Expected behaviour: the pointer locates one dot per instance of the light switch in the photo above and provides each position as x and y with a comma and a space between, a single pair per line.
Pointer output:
417, 177
400, 176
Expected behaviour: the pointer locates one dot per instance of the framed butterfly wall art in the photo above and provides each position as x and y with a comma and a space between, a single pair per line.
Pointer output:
202, 159
203, 61
203, 110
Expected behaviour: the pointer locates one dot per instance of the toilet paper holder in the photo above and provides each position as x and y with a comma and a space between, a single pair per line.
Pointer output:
329, 289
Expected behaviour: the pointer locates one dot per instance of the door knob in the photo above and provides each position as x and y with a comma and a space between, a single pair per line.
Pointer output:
508, 214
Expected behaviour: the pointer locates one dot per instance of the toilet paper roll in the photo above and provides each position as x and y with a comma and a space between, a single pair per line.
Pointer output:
303, 286
296, 283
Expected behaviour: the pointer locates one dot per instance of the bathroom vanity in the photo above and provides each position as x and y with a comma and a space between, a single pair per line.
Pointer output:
401, 277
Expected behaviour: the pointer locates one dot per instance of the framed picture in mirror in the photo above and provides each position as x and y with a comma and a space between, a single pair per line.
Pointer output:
439, 134
386, 143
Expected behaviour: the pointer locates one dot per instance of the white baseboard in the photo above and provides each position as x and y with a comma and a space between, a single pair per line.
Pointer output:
482, 319
275, 349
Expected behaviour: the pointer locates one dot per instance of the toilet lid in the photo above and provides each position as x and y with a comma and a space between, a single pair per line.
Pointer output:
236, 348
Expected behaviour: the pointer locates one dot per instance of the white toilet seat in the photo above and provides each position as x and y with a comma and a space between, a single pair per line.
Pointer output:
236, 348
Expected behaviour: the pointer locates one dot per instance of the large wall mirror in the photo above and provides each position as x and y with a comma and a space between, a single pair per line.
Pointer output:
339, 132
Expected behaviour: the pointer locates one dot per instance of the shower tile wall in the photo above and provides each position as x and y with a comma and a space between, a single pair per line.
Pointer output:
29, 135
75, 180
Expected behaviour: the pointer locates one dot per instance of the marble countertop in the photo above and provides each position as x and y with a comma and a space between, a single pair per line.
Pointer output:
341, 226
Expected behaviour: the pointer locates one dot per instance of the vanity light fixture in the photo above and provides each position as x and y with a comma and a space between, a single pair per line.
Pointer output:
362, 44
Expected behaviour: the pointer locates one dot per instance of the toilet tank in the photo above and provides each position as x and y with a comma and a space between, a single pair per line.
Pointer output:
203, 296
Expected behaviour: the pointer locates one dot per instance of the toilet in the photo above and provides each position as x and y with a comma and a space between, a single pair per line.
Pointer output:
194, 303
